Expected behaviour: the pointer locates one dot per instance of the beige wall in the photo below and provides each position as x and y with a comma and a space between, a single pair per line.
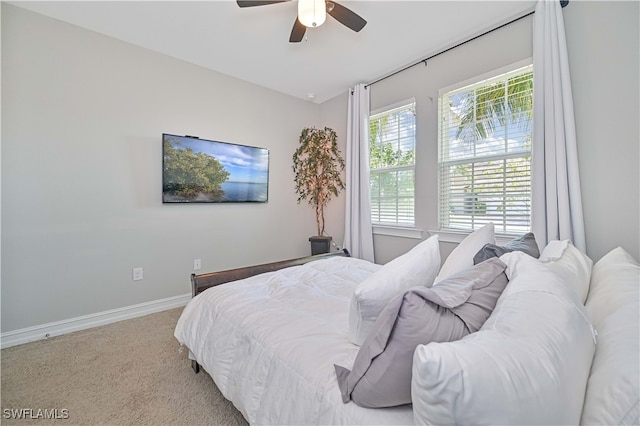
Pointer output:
604, 53
82, 119
333, 113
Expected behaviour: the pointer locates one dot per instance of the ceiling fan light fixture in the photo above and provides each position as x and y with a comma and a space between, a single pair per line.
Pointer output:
312, 13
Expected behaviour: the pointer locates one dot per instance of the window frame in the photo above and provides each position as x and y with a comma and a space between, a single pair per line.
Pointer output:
452, 234
398, 230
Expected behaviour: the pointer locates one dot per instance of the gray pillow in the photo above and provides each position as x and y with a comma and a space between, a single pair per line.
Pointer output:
457, 306
526, 243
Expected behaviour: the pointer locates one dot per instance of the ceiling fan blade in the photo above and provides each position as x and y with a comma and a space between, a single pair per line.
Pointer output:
346, 16
247, 3
297, 32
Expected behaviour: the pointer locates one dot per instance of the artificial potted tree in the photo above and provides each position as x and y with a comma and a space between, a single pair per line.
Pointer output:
317, 165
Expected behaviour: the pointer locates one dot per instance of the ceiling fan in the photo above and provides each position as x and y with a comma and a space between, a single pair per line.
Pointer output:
312, 13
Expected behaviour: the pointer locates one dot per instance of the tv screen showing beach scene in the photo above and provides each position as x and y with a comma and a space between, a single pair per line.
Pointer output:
197, 170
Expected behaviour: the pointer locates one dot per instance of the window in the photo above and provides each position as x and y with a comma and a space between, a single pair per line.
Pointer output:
484, 160
392, 142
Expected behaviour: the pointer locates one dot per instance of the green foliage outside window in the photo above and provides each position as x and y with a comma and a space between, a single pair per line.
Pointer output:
387, 154
392, 162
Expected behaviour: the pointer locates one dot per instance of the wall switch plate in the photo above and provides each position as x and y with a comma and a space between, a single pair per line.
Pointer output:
138, 274
197, 264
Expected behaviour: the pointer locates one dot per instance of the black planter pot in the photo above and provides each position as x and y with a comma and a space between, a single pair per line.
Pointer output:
320, 245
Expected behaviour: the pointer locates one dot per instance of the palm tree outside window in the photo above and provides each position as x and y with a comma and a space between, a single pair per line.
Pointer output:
484, 136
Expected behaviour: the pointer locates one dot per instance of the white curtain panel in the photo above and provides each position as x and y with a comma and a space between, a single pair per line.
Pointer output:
556, 197
358, 235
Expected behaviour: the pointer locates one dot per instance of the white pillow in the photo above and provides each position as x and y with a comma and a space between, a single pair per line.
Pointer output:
614, 281
417, 267
461, 257
613, 390
573, 266
528, 364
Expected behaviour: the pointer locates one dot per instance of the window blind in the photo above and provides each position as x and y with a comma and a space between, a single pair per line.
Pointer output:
392, 166
485, 154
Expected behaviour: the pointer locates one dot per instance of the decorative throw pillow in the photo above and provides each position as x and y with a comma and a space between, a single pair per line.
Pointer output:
528, 364
462, 256
418, 267
381, 373
526, 243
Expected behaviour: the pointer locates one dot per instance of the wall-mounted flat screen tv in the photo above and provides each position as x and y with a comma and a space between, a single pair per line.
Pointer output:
197, 170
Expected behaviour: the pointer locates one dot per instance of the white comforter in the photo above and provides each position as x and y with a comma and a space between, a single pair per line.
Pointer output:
270, 342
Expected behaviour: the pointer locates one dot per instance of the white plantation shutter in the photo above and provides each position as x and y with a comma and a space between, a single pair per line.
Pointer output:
392, 140
485, 153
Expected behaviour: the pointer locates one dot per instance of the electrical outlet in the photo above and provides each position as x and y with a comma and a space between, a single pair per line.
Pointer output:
138, 274
197, 264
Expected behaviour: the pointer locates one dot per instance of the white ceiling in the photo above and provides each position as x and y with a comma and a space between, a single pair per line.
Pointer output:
252, 43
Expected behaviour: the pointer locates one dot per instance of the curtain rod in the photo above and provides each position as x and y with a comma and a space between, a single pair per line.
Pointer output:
563, 3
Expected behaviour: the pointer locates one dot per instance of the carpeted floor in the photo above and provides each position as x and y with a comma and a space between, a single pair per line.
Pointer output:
127, 373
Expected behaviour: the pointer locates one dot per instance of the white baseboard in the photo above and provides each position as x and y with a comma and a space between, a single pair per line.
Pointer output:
44, 331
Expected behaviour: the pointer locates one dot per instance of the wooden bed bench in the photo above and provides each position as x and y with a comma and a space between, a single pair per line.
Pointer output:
200, 283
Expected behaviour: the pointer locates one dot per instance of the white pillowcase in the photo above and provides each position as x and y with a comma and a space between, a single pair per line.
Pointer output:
613, 390
417, 267
614, 281
461, 257
528, 364
573, 266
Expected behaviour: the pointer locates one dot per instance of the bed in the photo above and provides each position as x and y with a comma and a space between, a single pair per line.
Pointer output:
275, 365
271, 335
